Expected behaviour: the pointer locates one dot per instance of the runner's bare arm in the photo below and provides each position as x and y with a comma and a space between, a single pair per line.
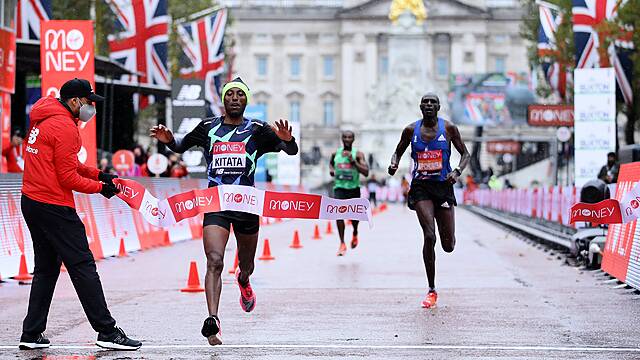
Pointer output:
465, 157
361, 164
332, 169
197, 137
405, 141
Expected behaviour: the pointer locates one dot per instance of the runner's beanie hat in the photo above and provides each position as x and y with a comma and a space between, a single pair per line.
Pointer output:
78, 88
237, 83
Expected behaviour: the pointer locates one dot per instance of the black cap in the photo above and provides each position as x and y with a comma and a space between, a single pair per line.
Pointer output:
78, 88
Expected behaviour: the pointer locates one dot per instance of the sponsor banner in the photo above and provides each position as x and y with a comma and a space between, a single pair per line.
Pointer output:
7, 60
503, 147
550, 115
604, 212
594, 116
66, 52
5, 126
238, 198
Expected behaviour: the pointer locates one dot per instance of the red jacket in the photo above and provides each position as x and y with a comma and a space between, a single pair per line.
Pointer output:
52, 169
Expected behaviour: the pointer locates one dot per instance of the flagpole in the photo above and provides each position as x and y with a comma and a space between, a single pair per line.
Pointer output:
198, 14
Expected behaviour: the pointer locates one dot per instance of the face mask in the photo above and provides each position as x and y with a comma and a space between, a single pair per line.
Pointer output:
86, 112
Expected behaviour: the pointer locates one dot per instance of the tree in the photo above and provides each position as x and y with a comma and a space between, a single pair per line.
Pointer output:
82, 10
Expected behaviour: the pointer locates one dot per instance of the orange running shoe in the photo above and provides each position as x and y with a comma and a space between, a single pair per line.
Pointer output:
342, 250
354, 241
430, 301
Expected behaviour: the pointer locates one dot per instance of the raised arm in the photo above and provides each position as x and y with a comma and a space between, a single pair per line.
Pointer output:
197, 137
405, 141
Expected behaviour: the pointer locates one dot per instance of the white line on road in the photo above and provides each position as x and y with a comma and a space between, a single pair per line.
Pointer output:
364, 347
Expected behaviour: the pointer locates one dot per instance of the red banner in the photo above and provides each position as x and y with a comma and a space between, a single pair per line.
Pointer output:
7, 60
503, 147
5, 126
66, 52
620, 237
550, 115
604, 212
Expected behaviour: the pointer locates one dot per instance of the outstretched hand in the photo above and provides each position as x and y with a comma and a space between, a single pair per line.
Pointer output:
283, 130
392, 169
162, 133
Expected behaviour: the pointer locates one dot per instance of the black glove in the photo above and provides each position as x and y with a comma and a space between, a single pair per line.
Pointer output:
106, 177
109, 190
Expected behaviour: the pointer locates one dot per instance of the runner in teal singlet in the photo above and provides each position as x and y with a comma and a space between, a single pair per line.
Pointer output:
346, 165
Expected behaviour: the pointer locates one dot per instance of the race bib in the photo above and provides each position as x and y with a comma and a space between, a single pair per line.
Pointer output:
344, 172
228, 158
430, 161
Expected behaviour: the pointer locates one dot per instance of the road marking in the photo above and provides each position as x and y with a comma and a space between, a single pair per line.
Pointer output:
362, 347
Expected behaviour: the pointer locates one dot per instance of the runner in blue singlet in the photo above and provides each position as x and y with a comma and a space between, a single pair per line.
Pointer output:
232, 145
431, 193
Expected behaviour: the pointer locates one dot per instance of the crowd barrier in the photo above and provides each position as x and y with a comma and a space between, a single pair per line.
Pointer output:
546, 203
108, 222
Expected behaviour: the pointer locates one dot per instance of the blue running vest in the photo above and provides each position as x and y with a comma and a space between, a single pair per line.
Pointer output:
431, 158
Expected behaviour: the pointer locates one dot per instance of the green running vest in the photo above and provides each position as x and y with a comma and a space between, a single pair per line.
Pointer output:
347, 176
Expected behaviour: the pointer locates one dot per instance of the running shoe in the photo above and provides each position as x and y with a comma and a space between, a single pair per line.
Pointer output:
342, 250
247, 296
211, 330
430, 301
117, 341
33, 342
354, 241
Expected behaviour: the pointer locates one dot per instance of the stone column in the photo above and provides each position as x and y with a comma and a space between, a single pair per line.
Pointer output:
347, 60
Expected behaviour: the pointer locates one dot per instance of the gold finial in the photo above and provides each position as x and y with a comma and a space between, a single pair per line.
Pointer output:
416, 7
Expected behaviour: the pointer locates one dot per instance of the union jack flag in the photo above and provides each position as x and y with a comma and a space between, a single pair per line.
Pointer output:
140, 43
30, 13
588, 18
203, 54
555, 72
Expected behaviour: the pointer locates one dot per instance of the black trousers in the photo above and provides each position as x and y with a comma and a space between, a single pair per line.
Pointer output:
59, 237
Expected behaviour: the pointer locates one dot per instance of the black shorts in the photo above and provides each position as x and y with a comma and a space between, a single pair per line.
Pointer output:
437, 191
340, 193
243, 223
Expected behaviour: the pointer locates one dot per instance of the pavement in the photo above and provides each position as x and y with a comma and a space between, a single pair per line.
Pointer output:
499, 297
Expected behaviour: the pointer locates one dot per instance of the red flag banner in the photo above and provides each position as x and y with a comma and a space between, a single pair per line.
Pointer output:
66, 52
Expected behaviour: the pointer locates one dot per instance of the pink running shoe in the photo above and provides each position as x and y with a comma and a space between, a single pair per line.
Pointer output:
247, 296
430, 301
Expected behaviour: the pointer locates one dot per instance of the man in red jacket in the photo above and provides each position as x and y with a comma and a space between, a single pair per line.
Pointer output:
14, 153
51, 172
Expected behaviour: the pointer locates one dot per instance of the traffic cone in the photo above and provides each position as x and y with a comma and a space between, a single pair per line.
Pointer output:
329, 229
23, 273
266, 251
122, 252
166, 241
278, 220
296, 241
193, 283
235, 265
349, 222
316, 233
383, 207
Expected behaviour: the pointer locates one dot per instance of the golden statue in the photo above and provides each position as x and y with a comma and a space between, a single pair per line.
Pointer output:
416, 7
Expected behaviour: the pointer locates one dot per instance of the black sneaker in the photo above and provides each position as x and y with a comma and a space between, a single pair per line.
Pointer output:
117, 341
30, 343
211, 330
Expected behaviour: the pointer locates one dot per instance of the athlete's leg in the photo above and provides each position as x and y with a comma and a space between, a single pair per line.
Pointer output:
445, 218
340, 226
215, 242
247, 244
425, 212
355, 227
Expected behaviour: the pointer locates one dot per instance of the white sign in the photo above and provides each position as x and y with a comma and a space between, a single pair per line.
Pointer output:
157, 163
563, 133
594, 115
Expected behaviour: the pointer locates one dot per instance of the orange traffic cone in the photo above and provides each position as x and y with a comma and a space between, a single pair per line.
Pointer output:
296, 241
266, 251
383, 207
278, 220
193, 283
122, 252
23, 273
235, 265
166, 241
348, 222
329, 228
316, 233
